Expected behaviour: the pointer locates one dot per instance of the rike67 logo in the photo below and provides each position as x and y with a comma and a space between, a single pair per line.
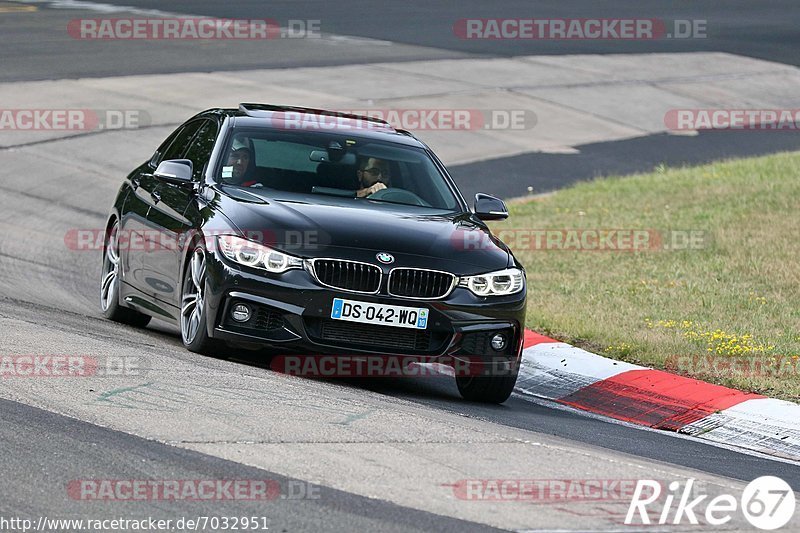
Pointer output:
767, 503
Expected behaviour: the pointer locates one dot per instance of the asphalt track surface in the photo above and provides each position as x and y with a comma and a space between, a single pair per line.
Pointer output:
379, 450
59, 447
548, 172
417, 29
38, 48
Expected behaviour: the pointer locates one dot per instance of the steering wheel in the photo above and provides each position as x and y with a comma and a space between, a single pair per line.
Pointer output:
400, 196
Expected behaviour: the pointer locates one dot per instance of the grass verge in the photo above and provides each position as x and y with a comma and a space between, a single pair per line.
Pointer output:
711, 288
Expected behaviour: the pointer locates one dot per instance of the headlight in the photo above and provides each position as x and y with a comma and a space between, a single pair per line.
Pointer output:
498, 283
255, 255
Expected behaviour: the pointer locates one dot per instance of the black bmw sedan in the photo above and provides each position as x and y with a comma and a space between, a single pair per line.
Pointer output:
315, 232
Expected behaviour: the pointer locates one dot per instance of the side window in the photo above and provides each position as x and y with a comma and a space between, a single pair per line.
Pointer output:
158, 156
181, 142
200, 151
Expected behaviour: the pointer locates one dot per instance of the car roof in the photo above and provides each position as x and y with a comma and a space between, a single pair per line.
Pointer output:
264, 116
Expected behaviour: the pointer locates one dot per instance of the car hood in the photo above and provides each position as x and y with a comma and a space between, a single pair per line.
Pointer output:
359, 229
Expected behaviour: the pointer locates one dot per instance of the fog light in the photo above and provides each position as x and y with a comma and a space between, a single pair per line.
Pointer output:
499, 342
240, 313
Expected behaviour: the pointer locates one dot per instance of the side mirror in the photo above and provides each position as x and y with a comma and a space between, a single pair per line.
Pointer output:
490, 208
177, 171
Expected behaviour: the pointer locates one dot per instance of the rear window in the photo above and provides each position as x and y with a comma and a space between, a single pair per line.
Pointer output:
283, 155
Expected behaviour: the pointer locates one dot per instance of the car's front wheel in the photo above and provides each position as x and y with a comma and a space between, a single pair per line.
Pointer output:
487, 389
194, 330
109, 284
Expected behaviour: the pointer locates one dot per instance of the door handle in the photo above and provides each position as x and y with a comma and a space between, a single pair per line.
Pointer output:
156, 196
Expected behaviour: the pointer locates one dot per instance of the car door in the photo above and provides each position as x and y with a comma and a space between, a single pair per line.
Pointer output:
133, 218
141, 235
167, 217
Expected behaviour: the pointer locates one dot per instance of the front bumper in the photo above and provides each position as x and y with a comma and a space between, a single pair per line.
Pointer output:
292, 311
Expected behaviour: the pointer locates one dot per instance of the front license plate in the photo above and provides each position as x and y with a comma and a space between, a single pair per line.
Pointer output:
381, 314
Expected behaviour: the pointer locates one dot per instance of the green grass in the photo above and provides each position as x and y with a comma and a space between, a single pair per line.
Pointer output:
736, 297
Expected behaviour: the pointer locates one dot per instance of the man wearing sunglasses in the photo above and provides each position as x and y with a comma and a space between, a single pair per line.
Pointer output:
373, 175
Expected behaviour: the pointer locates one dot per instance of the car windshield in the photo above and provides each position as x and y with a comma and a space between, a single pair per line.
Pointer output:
354, 167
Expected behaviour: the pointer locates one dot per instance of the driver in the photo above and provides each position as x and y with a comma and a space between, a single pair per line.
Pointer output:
240, 158
373, 176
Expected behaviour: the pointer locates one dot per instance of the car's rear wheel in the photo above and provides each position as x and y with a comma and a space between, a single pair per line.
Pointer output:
194, 330
109, 285
487, 389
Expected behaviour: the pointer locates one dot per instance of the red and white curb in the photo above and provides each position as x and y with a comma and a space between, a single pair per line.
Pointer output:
571, 376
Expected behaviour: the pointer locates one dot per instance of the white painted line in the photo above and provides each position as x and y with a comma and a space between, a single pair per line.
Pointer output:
551, 404
762, 424
556, 369
768, 409
567, 358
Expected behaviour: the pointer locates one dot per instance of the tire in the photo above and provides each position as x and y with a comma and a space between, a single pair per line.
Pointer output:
193, 319
109, 285
487, 389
